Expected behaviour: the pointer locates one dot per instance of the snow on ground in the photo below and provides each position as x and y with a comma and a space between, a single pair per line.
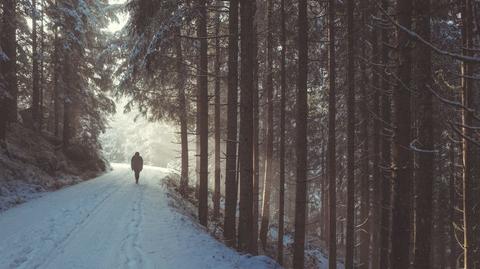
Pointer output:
321, 259
17, 192
110, 222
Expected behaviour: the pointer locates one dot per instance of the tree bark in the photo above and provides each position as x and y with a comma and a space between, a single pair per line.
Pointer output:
332, 184
231, 185
385, 185
401, 154
35, 73
424, 178
452, 208
301, 138
267, 182
350, 65
9, 68
324, 191
471, 181
42, 67
365, 207
67, 100
283, 86
216, 195
256, 144
247, 36
203, 112
4, 92
371, 191
182, 102
56, 82
375, 209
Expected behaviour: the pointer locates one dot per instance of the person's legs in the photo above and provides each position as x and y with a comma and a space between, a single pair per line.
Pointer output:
137, 175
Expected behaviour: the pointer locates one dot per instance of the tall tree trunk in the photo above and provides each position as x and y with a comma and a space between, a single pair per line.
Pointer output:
182, 102
424, 178
67, 82
332, 184
324, 191
301, 138
452, 208
3, 114
42, 66
369, 251
9, 68
440, 259
203, 112
375, 199
283, 86
256, 144
350, 65
385, 186
268, 178
401, 153
3, 108
216, 195
35, 73
365, 208
4, 100
471, 181
56, 82
231, 184
247, 36
67, 100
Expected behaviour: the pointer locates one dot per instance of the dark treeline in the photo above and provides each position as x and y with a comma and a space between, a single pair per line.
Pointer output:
348, 127
343, 127
56, 70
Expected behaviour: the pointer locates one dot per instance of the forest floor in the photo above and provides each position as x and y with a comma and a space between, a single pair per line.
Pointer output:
110, 222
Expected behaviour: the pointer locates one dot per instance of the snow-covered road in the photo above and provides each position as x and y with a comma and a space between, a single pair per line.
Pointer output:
109, 222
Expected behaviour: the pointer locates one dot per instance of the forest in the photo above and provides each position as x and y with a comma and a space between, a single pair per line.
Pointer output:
342, 129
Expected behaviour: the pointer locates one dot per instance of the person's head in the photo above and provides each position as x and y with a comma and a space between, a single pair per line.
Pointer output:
137, 154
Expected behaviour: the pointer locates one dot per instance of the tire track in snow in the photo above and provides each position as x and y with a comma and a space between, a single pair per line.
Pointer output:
54, 242
59, 245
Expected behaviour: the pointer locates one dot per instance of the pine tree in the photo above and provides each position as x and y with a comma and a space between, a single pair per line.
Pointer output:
216, 195
471, 182
231, 183
402, 173
255, 139
35, 68
332, 183
368, 215
283, 92
182, 102
425, 174
41, 67
56, 83
9, 65
350, 237
301, 138
247, 37
452, 208
268, 175
385, 186
202, 111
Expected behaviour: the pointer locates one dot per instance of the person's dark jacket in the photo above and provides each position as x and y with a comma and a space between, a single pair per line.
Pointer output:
137, 163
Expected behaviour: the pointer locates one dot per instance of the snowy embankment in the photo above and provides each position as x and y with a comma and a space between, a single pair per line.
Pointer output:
109, 222
31, 164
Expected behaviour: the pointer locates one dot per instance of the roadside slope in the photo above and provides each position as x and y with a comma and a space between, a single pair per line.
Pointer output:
33, 163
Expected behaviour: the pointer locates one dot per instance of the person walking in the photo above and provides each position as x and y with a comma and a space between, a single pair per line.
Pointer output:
137, 165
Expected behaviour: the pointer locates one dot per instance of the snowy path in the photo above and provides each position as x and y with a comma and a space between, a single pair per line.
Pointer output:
109, 222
